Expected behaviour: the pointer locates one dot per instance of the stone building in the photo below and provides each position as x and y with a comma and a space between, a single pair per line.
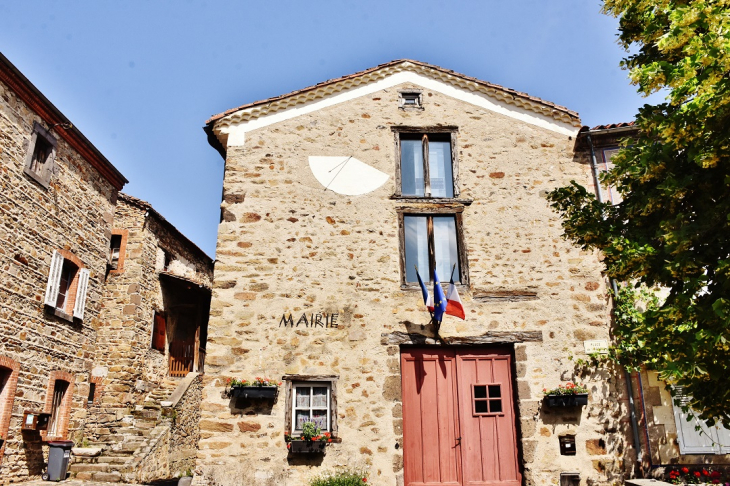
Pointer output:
331, 196
57, 197
103, 305
150, 347
667, 435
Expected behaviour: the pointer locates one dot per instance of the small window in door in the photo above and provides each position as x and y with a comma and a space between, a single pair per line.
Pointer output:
487, 399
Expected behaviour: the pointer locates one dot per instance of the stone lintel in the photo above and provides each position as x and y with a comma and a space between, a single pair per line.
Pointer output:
491, 337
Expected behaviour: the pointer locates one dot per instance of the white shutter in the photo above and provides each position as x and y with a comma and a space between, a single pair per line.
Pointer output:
54, 279
81, 293
723, 438
691, 440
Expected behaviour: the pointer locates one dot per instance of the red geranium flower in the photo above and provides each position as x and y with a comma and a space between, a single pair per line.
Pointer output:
715, 474
697, 474
705, 473
685, 470
364, 480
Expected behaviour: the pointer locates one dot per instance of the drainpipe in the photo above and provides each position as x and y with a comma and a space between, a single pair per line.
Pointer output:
627, 375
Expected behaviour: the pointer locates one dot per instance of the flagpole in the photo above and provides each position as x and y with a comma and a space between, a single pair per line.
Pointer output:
452, 273
429, 312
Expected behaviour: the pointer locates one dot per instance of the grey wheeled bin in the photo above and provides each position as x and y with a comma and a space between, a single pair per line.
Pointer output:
58, 457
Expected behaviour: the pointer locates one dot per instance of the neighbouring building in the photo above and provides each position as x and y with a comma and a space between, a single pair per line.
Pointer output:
150, 346
668, 436
332, 195
103, 308
57, 197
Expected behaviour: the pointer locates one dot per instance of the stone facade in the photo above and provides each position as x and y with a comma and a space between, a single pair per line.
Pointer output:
70, 211
287, 246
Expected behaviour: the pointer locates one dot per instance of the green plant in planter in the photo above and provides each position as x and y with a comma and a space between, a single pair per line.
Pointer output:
570, 388
347, 477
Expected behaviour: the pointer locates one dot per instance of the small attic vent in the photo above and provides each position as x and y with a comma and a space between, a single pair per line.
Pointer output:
410, 100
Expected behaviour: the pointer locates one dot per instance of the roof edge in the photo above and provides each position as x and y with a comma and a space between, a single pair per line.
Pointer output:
42, 106
148, 207
274, 102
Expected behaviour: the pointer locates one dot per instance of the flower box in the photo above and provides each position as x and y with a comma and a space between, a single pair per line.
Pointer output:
267, 392
307, 446
575, 400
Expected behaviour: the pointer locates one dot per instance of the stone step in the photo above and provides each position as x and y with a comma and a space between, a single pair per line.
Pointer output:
109, 477
99, 467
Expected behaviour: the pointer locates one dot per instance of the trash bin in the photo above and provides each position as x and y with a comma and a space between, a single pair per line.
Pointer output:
58, 457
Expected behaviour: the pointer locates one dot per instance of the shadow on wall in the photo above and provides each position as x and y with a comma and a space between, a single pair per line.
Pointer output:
33, 449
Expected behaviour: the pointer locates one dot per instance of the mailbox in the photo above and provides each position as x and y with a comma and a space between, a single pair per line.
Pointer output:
567, 445
35, 421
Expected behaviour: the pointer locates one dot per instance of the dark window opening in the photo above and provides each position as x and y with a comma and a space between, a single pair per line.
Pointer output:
92, 393
59, 391
115, 246
410, 100
41, 154
68, 273
158, 332
487, 399
168, 260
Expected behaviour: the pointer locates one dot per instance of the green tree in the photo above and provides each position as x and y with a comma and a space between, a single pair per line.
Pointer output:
672, 229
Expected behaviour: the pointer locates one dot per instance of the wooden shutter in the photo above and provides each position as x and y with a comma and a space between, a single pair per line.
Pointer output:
158, 332
54, 279
691, 440
723, 438
81, 292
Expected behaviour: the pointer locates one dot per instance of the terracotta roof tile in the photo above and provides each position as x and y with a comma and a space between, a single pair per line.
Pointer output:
614, 125
487, 84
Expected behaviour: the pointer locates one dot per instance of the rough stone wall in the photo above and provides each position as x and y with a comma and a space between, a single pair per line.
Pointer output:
125, 359
75, 213
286, 245
185, 430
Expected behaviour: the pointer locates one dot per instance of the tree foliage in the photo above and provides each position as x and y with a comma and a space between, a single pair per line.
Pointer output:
672, 228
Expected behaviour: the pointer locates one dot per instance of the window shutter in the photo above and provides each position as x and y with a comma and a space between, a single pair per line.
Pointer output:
54, 279
691, 440
81, 293
158, 333
723, 438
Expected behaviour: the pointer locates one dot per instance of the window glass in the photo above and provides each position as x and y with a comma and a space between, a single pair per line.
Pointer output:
59, 390
445, 247
439, 167
68, 272
311, 404
412, 168
302, 397
416, 229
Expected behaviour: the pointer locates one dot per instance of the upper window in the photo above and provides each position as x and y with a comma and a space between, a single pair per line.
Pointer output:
433, 241
426, 166
410, 100
40, 158
115, 246
67, 286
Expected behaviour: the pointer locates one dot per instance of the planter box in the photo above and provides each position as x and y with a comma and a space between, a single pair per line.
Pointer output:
577, 400
307, 447
268, 392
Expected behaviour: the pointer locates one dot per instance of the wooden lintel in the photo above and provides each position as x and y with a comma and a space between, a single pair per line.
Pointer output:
494, 296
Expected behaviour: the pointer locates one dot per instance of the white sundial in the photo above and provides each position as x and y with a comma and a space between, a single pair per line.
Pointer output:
346, 175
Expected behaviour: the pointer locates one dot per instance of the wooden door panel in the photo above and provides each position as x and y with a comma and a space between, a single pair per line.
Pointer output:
489, 443
430, 419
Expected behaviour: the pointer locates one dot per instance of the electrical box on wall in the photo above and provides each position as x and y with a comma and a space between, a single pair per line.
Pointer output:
567, 445
569, 479
35, 421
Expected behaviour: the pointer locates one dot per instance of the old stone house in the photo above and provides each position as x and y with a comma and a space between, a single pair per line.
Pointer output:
150, 347
332, 195
57, 202
667, 435
103, 304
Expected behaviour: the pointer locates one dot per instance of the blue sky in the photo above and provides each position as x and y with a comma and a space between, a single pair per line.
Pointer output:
139, 78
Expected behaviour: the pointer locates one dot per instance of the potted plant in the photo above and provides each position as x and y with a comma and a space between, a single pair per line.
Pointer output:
569, 395
311, 441
259, 388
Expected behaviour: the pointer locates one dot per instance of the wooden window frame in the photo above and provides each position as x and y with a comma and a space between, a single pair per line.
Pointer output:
487, 399
416, 94
41, 177
122, 251
433, 210
289, 383
64, 412
398, 131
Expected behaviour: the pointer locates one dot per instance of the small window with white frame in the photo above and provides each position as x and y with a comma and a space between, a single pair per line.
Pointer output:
311, 399
311, 403
410, 100
41, 155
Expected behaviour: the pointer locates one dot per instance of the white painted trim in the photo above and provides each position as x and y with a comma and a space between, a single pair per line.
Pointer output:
236, 130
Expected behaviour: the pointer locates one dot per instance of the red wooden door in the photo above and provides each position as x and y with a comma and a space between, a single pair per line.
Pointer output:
458, 418
430, 418
486, 413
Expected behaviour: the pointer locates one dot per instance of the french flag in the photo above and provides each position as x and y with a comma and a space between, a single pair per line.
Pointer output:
426, 296
453, 302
